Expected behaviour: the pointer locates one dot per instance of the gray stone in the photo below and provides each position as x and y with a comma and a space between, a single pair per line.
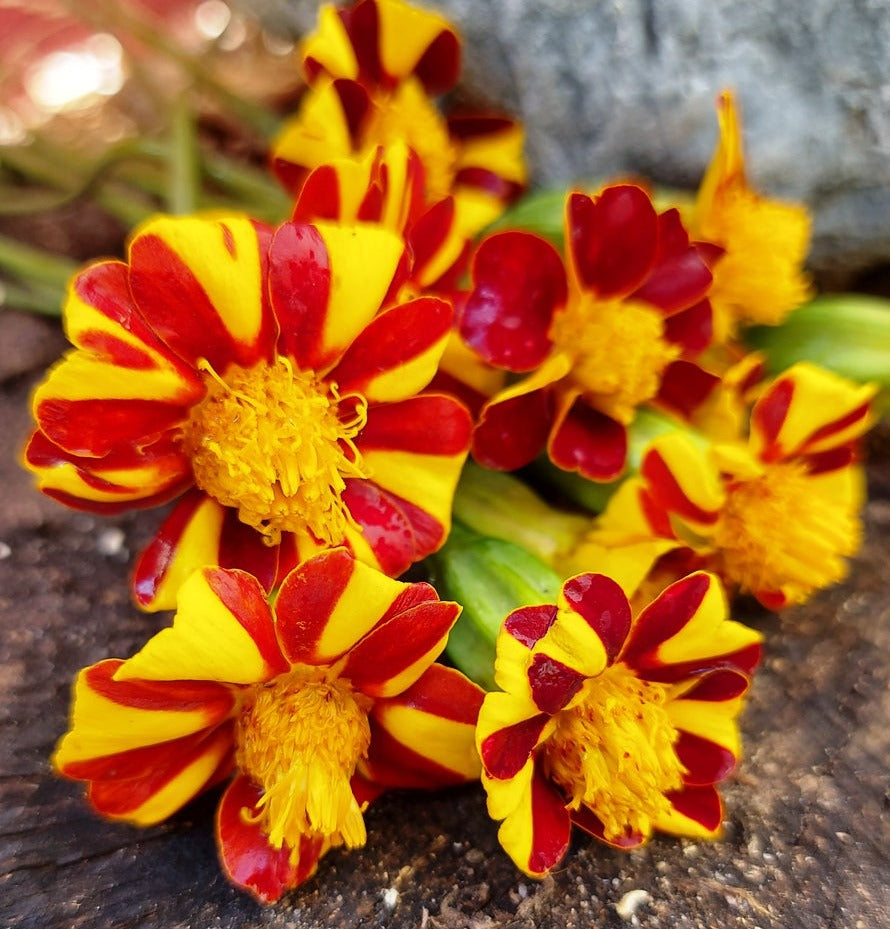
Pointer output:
608, 86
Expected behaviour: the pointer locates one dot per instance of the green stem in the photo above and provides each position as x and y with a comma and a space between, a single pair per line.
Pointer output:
31, 300
34, 264
183, 165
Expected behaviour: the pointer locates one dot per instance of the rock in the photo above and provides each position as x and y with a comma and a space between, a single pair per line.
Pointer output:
630, 86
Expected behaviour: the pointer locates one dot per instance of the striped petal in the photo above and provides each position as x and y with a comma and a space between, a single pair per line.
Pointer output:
509, 730
222, 631
424, 737
518, 285
122, 385
111, 718
398, 353
329, 48
603, 606
809, 410
200, 283
536, 834
696, 812
248, 859
166, 777
393, 655
682, 480
393, 532
587, 820
329, 603
327, 283
187, 539
322, 131
121, 480
417, 41
686, 624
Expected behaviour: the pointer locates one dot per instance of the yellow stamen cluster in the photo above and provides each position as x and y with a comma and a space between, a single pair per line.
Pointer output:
776, 532
299, 738
269, 441
407, 114
619, 352
613, 751
759, 279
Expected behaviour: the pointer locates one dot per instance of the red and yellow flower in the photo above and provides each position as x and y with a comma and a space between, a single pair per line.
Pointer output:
252, 372
776, 516
621, 724
372, 69
595, 338
314, 706
755, 246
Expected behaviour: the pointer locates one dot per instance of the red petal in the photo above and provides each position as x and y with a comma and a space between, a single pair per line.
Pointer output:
518, 284
528, 624
306, 600
428, 424
241, 546
391, 340
130, 785
156, 559
589, 442
319, 196
719, 685
668, 493
245, 599
552, 684
299, 286
505, 751
398, 643
439, 66
587, 820
665, 616
551, 826
745, 660
680, 276
701, 804
512, 432
685, 387
96, 427
705, 761
244, 851
177, 308
768, 416
693, 329
603, 606
398, 532
430, 233
613, 239
443, 692
41, 453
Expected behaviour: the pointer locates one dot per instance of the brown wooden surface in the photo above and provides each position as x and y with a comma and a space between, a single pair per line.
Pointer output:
806, 835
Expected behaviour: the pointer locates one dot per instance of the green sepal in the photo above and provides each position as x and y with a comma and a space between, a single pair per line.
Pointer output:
490, 578
848, 334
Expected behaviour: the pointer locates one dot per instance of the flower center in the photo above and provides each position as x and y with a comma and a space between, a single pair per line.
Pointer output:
299, 738
613, 751
277, 444
407, 114
619, 352
778, 532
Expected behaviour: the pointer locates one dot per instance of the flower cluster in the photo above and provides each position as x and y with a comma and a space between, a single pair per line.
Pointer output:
305, 396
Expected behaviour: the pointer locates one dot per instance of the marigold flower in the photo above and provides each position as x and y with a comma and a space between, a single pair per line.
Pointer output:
372, 68
776, 516
619, 724
253, 371
757, 245
315, 705
598, 337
